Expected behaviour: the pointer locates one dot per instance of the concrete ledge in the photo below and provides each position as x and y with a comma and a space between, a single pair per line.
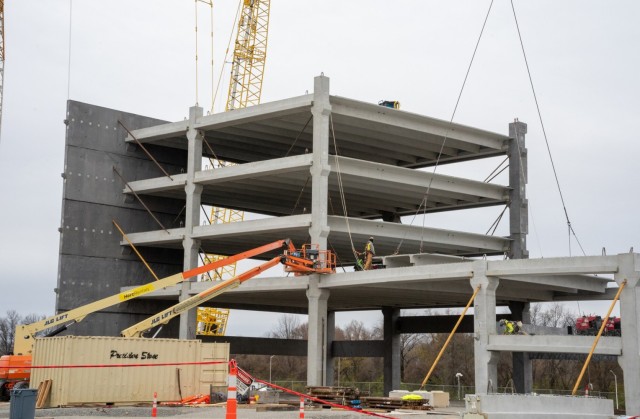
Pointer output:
528, 406
555, 344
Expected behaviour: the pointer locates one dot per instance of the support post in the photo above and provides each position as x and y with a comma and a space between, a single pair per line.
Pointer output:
317, 340
392, 348
629, 269
518, 204
484, 325
320, 169
331, 336
193, 197
522, 372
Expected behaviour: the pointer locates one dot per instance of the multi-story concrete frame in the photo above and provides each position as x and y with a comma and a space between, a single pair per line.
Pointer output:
289, 169
302, 159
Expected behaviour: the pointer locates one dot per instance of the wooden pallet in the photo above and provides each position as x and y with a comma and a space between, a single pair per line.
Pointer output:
44, 389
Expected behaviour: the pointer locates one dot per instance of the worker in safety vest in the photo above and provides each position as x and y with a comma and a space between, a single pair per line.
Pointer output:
368, 254
509, 327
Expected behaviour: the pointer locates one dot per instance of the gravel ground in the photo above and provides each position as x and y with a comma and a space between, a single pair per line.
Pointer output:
217, 412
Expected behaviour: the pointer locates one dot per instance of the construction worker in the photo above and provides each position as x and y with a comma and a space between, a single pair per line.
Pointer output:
512, 328
509, 327
368, 254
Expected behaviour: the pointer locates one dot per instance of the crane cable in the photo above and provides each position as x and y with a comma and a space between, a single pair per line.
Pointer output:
341, 188
544, 132
435, 168
210, 3
226, 55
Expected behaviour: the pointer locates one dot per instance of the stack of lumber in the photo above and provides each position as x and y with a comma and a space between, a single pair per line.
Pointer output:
337, 395
392, 403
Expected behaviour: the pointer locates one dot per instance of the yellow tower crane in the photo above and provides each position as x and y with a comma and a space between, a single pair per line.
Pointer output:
245, 89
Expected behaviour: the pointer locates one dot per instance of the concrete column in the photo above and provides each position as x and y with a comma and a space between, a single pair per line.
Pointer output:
630, 327
331, 336
392, 347
518, 206
317, 341
522, 372
321, 111
193, 194
484, 325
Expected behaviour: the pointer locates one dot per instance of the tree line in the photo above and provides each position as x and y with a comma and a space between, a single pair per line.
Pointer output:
418, 352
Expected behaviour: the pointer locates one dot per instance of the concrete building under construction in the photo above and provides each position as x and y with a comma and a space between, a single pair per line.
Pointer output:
332, 171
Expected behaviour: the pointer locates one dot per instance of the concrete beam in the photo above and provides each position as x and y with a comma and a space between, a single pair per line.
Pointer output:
570, 282
555, 344
433, 235
255, 169
171, 238
406, 178
554, 266
160, 132
455, 132
255, 113
407, 275
159, 184
354, 348
253, 226
241, 345
538, 406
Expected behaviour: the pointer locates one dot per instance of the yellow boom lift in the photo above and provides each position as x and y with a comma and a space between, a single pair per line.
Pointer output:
15, 368
305, 261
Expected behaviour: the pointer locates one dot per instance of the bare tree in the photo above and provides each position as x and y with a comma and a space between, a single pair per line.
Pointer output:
7, 331
554, 315
289, 327
409, 356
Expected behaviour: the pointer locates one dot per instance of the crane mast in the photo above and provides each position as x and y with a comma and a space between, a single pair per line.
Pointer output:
245, 89
249, 55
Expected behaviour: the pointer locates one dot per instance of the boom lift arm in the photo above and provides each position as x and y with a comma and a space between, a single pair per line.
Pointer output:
25, 333
305, 261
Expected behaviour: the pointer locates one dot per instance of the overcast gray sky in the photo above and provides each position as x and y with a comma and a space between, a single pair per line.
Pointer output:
138, 56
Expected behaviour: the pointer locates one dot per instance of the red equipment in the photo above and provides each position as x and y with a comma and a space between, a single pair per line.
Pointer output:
590, 325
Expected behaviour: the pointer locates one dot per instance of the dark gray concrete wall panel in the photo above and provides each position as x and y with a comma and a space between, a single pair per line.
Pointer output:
93, 127
88, 230
88, 279
93, 264
93, 171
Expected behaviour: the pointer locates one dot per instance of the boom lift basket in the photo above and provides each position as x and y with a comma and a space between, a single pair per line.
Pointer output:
309, 259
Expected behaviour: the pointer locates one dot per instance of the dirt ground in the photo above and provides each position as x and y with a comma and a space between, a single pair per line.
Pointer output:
219, 412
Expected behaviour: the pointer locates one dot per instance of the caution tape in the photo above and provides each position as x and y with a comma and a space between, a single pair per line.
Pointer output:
166, 364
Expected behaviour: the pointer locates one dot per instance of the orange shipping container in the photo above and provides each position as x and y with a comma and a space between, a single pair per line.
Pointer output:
126, 385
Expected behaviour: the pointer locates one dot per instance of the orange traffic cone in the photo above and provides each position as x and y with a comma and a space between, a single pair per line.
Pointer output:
232, 402
154, 409
301, 407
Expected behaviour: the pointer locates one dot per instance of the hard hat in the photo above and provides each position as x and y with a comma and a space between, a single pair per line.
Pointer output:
501, 321
371, 238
